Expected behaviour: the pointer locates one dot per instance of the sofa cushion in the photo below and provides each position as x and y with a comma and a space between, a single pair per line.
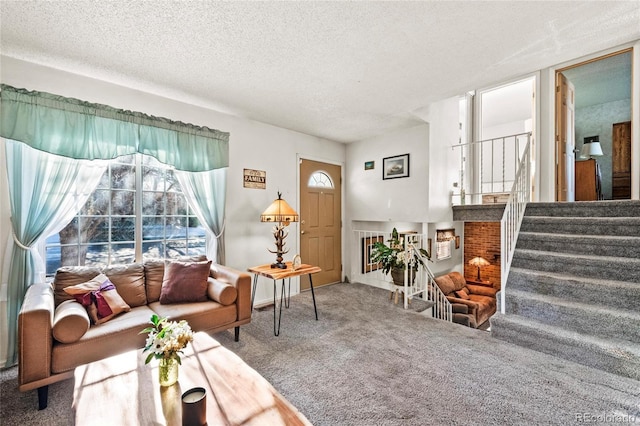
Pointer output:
119, 335
462, 293
70, 322
130, 282
185, 282
69, 276
100, 297
458, 280
223, 293
201, 316
445, 284
154, 274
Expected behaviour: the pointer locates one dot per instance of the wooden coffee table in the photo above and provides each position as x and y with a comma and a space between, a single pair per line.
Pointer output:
123, 390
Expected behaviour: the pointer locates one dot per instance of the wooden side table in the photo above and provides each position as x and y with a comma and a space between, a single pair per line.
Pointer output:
280, 274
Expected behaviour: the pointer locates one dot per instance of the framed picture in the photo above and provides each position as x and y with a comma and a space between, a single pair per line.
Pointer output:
395, 167
367, 248
369, 165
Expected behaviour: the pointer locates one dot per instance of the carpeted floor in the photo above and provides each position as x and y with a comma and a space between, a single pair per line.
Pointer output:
369, 362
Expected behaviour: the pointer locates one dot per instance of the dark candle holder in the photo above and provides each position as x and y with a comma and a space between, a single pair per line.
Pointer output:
194, 407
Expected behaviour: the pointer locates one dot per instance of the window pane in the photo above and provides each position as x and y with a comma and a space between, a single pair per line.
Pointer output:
153, 178
123, 229
176, 204
94, 229
153, 250
176, 248
172, 182
95, 254
153, 228
97, 203
122, 203
152, 203
123, 253
320, 180
123, 176
176, 227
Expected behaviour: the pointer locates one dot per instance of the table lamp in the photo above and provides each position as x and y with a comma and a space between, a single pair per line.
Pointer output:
479, 262
280, 213
591, 148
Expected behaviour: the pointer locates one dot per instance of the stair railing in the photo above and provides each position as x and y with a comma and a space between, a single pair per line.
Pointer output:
512, 218
432, 293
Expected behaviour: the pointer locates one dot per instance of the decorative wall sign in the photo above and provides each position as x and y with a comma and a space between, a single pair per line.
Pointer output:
256, 179
395, 167
369, 165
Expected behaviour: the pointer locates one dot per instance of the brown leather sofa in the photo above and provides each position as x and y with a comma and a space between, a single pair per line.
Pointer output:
44, 359
480, 300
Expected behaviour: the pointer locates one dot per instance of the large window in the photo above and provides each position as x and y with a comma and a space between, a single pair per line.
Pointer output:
137, 211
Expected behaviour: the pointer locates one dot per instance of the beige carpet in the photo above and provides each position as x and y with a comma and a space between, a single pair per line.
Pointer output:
369, 362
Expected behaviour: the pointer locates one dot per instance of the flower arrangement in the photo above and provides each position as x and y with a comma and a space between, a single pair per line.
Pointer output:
166, 339
394, 256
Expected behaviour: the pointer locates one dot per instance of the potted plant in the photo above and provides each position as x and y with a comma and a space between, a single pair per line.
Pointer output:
395, 259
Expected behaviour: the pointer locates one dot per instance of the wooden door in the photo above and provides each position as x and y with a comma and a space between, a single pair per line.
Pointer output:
621, 161
565, 139
320, 221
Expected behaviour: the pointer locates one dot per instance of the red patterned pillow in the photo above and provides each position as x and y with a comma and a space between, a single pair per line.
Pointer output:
185, 282
100, 298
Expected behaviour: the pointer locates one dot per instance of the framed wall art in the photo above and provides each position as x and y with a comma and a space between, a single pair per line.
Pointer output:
367, 248
395, 167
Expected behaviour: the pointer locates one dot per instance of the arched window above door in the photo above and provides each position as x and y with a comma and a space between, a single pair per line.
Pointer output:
320, 180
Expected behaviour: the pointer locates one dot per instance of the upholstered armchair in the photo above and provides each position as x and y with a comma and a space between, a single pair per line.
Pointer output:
480, 300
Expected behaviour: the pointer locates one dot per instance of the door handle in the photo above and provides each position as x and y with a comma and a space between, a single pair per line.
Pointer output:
301, 232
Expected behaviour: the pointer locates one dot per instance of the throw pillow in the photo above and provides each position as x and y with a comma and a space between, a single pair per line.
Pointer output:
100, 297
185, 282
462, 294
70, 322
223, 293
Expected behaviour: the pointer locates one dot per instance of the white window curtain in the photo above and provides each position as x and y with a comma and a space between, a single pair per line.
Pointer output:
45, 192
206, 193
84, 131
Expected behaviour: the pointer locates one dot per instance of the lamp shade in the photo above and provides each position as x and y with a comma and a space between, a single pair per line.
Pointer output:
591, 149
279, 211
479, 262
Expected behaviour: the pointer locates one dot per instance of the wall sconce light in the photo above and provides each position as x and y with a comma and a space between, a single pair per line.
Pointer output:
479, 262
280, 213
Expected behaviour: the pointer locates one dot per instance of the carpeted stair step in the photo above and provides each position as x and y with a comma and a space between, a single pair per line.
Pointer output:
595, 320
580, 265
615, 294
604, 208
581, 244
621, 226
613, 355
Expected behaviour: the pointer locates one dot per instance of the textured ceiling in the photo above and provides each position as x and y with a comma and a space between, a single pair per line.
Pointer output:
340, 70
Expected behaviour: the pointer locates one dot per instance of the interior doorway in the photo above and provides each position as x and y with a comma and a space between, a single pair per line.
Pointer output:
504, 116
321, 221
600, 133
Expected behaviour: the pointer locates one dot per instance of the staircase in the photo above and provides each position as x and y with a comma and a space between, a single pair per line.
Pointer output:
574, 286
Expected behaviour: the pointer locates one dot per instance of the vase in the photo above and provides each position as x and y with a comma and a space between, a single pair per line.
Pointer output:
397, 276
168, 371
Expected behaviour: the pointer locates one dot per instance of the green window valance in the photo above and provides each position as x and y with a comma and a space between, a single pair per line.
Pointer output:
87, 131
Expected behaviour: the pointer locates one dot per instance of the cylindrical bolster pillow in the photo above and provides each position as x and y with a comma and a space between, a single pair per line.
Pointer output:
70, 322
223, 293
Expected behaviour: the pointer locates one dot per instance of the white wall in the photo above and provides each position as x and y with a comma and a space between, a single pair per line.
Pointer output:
444, 161
252, 145
403, 199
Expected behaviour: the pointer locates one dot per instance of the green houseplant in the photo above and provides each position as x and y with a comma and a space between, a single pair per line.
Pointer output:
394, 259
